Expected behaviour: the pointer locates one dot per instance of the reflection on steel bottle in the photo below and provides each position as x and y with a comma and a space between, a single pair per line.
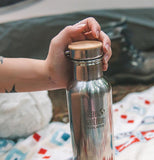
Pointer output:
89, 103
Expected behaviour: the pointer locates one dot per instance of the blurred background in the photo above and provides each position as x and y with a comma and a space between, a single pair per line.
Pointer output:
27, 26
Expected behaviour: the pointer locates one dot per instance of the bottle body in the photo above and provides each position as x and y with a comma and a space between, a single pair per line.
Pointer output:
89, 99
89, 105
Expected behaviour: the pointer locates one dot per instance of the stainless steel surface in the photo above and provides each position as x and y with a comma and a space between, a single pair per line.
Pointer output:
85, 55
89, 103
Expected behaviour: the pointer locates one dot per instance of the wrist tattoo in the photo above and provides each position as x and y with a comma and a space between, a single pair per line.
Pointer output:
12, 90
1, 60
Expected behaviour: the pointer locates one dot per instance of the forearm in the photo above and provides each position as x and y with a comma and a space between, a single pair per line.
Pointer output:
22, 75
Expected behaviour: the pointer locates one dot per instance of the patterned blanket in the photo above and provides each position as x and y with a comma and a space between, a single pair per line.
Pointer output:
133, 131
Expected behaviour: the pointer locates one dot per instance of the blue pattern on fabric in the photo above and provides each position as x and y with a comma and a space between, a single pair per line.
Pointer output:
5, 145
65, 136
15, 154
148, 120
138, 110
60, 137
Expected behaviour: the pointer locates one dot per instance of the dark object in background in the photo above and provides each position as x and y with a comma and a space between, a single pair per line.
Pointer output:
31, 37
9, 2
129, 63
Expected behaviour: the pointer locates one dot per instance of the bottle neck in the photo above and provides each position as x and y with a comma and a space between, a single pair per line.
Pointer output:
88, 70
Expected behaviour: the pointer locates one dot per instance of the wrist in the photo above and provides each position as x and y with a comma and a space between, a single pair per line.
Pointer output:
50, 73
55, 78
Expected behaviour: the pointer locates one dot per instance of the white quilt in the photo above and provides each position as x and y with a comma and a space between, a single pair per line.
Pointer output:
133, 131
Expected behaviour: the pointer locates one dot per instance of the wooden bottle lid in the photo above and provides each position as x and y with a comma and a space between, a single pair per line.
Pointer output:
85, 50
85, 45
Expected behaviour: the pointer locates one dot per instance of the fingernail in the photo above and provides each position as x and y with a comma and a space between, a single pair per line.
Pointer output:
80, 25
107, 47
97, 34
105, 67
106, 58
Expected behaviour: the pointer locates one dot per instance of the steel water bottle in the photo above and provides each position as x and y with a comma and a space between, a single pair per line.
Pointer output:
89, 99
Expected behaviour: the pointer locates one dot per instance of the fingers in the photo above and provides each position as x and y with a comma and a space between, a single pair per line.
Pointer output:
106, 49
92, 25
85, 29
105, 66
93, 31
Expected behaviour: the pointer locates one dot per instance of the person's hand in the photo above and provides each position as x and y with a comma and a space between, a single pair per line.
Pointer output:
59, 67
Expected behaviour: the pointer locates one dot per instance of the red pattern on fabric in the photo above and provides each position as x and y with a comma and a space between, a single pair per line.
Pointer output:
36, 136
130, 121
123, 116
132, 140
46, 157
42, 151
148, 135
116, 110
147, 102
